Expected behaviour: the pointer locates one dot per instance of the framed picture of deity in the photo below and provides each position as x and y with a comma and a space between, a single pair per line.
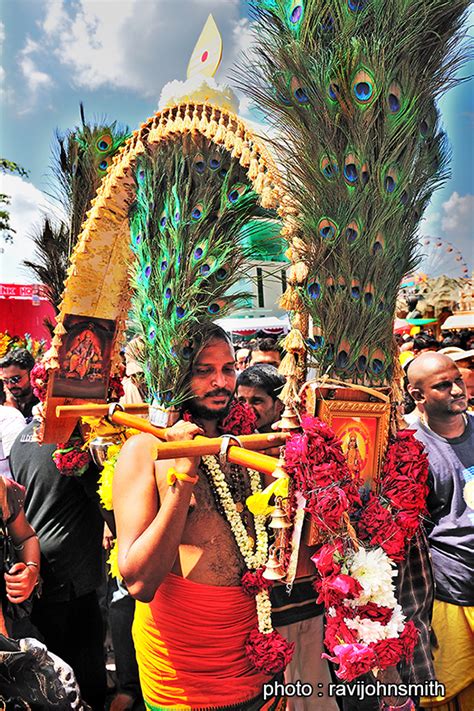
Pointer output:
84, 358
363, 429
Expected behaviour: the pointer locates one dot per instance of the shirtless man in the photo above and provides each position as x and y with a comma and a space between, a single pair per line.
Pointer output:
177, 553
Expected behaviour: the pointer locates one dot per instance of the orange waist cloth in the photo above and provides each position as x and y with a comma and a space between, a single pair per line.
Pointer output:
190, 646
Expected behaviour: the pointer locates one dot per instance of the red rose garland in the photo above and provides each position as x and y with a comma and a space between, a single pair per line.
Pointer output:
365, 627
71, 459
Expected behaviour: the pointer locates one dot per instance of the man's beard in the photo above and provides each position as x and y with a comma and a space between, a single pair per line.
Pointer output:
200, 411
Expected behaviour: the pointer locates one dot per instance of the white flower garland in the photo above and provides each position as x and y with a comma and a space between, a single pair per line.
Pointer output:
254, 559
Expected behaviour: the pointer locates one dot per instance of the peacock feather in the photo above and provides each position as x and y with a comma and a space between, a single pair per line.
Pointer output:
194, 211
83, 157
350, 87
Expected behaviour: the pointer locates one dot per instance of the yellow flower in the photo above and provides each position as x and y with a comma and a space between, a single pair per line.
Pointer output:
107, 477
112, 561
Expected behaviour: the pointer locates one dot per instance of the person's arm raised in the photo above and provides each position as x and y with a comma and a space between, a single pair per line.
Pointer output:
149, 531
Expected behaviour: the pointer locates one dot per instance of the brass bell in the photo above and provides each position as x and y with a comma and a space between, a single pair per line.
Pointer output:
273, 569
289, 419
279, 519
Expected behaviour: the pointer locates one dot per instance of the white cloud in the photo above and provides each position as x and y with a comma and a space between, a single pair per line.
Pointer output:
458, 217
35, 78
131, 44
27, 205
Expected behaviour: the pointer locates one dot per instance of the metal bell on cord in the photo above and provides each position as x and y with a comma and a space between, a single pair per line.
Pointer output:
279, 519
273, 569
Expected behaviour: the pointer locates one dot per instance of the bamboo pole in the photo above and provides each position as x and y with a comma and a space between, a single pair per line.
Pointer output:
94, 410
200, 446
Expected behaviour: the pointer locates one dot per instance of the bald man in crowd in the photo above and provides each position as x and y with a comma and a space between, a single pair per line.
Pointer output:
446, 429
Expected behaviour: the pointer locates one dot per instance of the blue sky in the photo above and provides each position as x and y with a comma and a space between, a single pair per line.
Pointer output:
115, 56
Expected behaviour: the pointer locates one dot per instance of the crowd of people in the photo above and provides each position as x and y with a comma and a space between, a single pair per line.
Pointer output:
179, 561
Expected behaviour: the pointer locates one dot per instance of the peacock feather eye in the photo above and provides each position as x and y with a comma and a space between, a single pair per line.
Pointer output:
369, 295
221, 274
404, 198
198, 251
205, 269
199, 164
362, 363
104, 164
357, 5
168, 293
327, 228
163, 265
352, 232
141, 175
197, 212
364, 174
351, 169
390, 180
298, 91
363, 87
147, 272
377, 362
327, 23
314, 290
379, 244
214, 162
394, 98
295, 14
355, 289
329, 167
214, 308
342, 357
104, 143
152, 333
163, 219
315, 343
333, 91
180, 311
236, 192
187, 352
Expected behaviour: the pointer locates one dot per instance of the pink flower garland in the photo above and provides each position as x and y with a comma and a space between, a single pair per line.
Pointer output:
316, 463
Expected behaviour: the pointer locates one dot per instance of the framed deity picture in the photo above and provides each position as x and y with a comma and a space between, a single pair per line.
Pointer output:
363, 428
84, 358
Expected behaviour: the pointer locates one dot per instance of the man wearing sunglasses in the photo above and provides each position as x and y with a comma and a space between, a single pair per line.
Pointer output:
15, 368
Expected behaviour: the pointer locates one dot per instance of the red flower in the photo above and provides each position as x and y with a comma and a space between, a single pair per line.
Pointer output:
254, 582
354, 660
332, 590
325, 559
240, 420
269, 653
116, 390
377, 613
71, 459
388, 652
39, 381
336, 631
327, 507
409, 639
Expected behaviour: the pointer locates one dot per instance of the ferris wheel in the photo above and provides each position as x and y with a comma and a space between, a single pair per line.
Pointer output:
441, 258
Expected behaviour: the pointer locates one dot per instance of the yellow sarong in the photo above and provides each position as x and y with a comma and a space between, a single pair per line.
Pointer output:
453, 626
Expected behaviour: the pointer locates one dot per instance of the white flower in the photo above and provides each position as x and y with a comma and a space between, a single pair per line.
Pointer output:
374, 571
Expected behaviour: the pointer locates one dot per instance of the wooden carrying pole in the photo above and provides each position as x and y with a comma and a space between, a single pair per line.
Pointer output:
196, 447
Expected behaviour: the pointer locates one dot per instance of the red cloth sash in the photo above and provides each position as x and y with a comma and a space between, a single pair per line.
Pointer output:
190, 646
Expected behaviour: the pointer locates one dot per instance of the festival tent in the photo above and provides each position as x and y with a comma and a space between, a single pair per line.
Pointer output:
248, 327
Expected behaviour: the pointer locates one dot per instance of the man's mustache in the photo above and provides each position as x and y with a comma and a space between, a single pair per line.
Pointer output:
219, 392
